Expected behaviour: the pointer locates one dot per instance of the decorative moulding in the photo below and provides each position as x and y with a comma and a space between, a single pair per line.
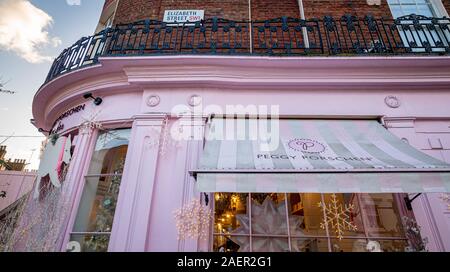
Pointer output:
153, 100
194, 100
392, 101
399, 122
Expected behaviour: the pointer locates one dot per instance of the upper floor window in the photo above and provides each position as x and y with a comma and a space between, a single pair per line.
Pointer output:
406, 7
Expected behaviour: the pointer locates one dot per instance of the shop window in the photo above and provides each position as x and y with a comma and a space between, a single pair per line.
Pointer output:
277, 222
93, 224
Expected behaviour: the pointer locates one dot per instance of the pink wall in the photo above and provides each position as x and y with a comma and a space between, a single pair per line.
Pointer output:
16, 185
154, 184
432, 213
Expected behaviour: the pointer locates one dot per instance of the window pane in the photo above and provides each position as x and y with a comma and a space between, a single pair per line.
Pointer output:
409, 9
110, 152
305, 215
91, 243
231, 215
396, 11
343, 215
424, 10
269, 214
98, 204
270, 244
309, 245
231, 243
382, 216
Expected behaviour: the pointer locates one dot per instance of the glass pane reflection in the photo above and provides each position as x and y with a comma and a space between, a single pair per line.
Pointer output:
382, 215
309, 245
270, 244
91, 243
231, 243
231, 215
269, 214
110, 152
98, 204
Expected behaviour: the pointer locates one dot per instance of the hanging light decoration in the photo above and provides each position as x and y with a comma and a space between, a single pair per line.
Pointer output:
193, 220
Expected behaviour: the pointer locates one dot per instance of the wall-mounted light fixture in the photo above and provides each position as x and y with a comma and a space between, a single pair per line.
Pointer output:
97, 100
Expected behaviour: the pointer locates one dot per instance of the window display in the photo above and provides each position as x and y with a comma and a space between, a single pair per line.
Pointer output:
300, 222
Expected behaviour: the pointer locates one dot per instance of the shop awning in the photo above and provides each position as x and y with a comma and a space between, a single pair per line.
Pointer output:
316, 156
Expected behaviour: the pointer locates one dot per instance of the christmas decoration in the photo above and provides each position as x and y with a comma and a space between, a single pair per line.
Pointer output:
37, 225
337, 216
53, 138
446, 199
192, 220
268, 219
412, 231
54, 156
373, 246
90, 123
163, 139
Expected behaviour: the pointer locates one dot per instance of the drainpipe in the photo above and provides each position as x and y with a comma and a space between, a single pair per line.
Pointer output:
250, 25
302, 16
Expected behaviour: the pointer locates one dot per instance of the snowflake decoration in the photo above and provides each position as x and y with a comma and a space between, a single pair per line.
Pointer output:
162, 139
268, 218
192, 220
446, 199
90, 123
337, 216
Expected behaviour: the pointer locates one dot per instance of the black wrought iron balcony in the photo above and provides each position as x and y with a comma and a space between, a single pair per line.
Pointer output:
348, 35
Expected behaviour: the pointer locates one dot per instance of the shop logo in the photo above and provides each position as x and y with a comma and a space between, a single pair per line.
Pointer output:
306, 146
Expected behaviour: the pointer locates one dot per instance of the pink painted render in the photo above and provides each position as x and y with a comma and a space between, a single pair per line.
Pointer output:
153, 185
16, 185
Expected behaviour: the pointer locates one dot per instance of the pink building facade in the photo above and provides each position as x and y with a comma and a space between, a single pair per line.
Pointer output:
128, 176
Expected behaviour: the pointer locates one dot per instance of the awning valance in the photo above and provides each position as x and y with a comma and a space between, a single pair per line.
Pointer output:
321, 156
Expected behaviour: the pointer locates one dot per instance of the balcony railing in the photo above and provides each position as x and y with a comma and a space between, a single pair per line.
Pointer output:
348, 35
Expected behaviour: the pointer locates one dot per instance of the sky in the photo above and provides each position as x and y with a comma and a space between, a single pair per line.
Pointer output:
32, 34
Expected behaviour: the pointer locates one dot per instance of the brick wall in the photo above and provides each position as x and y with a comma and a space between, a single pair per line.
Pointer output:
134, 10
107, 3
337, 8
269, 9
446, 5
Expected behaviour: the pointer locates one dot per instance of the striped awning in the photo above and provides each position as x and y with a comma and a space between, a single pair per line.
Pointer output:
320, 156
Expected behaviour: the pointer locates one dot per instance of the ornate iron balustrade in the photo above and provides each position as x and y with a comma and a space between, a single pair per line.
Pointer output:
412, 34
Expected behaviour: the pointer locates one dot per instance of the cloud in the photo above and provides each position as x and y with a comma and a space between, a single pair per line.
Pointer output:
73, 2
23, 30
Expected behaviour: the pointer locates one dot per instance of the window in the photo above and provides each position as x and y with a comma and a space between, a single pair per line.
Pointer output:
259, 222
426, 36
406, 7
92, 228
